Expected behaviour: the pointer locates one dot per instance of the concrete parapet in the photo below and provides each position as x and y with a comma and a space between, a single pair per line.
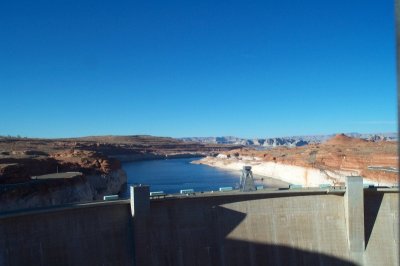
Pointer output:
301, 227
140, 210
354, 215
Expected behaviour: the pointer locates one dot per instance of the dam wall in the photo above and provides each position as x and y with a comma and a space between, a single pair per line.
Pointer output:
89, 234
381, 220
305, 230
271, 229
299, 227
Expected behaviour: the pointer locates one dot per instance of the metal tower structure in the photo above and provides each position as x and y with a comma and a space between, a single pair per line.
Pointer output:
247, 180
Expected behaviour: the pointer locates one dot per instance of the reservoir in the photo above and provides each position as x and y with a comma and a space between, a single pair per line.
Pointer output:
172, 175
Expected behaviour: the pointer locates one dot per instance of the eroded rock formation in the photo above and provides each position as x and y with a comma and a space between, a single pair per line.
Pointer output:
329, 162
101, 176
97, 158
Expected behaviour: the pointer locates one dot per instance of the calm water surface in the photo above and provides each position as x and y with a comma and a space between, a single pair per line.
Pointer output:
172, 175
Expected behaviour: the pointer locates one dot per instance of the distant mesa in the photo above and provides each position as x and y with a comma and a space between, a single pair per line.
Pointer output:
342, 139
295, 141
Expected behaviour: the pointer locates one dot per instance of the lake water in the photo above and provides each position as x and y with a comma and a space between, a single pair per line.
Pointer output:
172, 175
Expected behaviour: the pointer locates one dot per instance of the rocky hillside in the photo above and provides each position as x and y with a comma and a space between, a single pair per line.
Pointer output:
100, 176
21, 158
97, 158
113, 145
296, 141
331, 161
20, 166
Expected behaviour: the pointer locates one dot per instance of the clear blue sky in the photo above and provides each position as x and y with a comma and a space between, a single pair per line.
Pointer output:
197, 68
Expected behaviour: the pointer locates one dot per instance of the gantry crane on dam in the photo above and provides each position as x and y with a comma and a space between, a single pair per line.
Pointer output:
247, 180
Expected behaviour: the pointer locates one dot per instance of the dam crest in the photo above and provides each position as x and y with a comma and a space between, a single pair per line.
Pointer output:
351, 226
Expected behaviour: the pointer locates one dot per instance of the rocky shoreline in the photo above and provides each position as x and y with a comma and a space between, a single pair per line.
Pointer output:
43, 193
123, 158
289, 174
316, 164
100, 176
98, 159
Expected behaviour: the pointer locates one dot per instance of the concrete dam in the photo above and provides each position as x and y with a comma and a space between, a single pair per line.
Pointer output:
351, 226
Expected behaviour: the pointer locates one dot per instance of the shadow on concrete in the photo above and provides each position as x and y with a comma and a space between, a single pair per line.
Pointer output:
268, 254
372, 203
199, 235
